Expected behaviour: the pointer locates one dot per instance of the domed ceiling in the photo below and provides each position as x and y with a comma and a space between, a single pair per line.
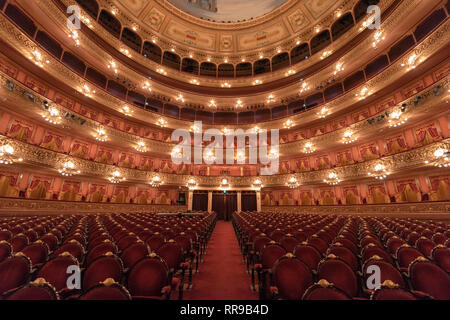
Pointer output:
227, 10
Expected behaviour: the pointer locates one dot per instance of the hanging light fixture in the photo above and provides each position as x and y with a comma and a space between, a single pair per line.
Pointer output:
273, 153
116, 177
68, 169
209, 156
323, 112
126, 110
332, 179
141, 147
191, 184
412, 62
308, 148
257, 184
379, 172
161, 122
8, 155
292, 183
101, 135
156, 182
288, 124
224, 183
396, 119
364, 93
441, 158
240, 156
348, 137
52, 115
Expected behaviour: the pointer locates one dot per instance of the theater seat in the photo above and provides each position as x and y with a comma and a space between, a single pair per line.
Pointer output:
339, 273
15, 271
107, 290
35, 290
323, 290
102, 268
427, 277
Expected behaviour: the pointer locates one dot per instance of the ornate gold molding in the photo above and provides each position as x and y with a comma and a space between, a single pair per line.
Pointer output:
424, 210
15, 206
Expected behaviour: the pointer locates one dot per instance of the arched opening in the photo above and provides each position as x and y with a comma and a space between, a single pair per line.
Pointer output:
50, 44
429, 24
152, 52
360, 9
21, 19
280, 61
226, 70
354, 80
131, 39
189, 66
299, 53
111, 24
261, 66
376, 66
401, 47
333, 91
90, 6
244, 69
171, 60
321, 41
342, 26
96, 77
208, 69
73, 63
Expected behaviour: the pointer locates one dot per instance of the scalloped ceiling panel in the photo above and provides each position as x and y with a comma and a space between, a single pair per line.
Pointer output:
227, 10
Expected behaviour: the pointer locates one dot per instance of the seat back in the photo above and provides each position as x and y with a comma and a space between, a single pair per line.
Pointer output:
291, 276
148, 277
427, 277
36, 290
323, 290
14, 272
340, 274
441, 256
108, 290
172, 253
55, 270
102, 268
309, 255
133, 253
270, 254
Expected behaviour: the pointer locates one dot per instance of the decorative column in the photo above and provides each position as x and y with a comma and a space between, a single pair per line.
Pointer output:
258, 201
239, 201
209, 201
190, 199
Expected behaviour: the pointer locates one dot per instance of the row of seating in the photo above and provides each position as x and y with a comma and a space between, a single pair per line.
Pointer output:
299, 256
118, 256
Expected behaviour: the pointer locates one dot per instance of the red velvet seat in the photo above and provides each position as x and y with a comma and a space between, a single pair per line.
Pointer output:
55, 270
101, 249
149, 278
107, 290
300, 235
388, 272
74, 248
155, 241
372, 250
439, 238
18, 242
323, 290
5, 235
14, 272
291, 277
36, 290
427, 277
127, 241
344, 254
309, 255
318, 243
393, 244
37, 252
405, 255
385, 293
133, 253
5, 250
50, 240
289, 243
425, 246
276, 235
102, 268
441, 256
340, 274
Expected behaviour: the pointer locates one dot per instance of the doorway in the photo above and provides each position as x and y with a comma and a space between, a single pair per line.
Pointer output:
224, 203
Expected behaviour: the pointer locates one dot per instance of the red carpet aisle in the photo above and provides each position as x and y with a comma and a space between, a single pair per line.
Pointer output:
222, 274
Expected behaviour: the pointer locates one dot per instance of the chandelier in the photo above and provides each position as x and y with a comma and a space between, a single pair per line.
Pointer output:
126, 111
191, 184
101, 135
292, 183
323, 112
348, 137
7, 155
413, 62
288, 124
396, 119
224, 183
116, 177
156, 182
377, 38
86, 91
363, 94
177, 153
161, 122
308, 148
68, 169
257, 184
441, 158
209, 156
141, 147
37, 58
52, 115
333, 179
380, 172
